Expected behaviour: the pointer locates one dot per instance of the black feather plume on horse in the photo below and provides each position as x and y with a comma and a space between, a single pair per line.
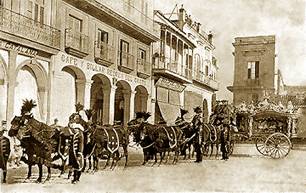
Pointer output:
27, 106
89, 113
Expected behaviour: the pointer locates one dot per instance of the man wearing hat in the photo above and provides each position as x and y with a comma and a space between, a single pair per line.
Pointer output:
180, 121
197, 127
4, 150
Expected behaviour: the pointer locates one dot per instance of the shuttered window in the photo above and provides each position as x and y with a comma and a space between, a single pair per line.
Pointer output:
35, 10
253, 70
257, 69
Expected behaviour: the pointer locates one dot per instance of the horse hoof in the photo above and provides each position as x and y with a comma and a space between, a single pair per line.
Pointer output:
74, 182
38, 181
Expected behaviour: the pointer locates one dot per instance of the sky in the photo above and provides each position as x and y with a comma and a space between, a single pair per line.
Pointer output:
228, 19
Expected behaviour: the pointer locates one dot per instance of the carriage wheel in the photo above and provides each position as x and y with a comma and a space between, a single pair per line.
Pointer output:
261, 146
279, 145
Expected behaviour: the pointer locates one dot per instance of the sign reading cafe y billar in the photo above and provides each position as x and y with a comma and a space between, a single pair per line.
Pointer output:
91, 68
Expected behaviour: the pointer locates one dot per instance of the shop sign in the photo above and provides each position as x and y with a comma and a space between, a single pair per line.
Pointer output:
89, 66
18, 48
167, 83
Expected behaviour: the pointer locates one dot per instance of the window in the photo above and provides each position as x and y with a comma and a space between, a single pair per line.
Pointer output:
75, 29
35, 10
102, 36
142, 54
124, 46
253, 70
75, 24
144, 10
206, 70
162, 44
124, 50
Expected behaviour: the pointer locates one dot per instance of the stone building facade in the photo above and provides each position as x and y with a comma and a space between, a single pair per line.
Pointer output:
184, 68
61, 52
256, 72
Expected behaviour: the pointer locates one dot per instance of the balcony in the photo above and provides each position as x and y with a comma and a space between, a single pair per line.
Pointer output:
77, 44
172, 69
104, 53
200, 77
120, 15
126, 62
143, 68
26, 28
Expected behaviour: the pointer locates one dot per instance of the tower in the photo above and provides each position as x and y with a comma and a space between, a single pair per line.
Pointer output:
255, 69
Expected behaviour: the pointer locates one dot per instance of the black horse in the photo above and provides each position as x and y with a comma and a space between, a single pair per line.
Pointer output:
39, 140
107, 140
156, 138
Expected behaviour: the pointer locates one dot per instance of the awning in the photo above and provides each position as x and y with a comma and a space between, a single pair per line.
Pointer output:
169, 112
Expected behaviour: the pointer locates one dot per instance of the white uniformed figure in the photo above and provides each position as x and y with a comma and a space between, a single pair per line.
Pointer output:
290, 107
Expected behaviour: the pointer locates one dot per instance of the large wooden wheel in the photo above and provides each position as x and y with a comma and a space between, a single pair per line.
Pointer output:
261, 146
278, 145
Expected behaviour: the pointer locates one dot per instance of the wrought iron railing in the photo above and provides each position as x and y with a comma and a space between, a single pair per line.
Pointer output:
203, 78
22, 26
77, 40
173, 66
126, 60
104, 51
143, 66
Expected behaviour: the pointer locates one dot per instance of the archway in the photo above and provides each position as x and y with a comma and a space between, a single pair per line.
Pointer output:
122, 102
205, 111
99, 98
141, 98
31, 83
72, 89
3, 90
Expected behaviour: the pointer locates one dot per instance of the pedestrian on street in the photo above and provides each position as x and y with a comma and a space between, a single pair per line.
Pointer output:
197, 127
224, 139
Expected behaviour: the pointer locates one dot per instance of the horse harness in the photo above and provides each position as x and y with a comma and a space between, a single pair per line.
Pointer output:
112, 140
172, 137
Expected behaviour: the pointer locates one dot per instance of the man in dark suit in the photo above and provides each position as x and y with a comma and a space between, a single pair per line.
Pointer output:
197, 125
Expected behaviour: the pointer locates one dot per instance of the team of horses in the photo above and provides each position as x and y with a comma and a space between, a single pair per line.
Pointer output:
43, 144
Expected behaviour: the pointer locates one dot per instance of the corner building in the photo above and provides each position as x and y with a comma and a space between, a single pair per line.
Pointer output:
93, 52
184, 67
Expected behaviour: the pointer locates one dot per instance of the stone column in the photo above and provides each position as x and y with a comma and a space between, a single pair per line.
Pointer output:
127, 106
87, 94
3, 98
80, 91
151, 108
132, 105
109, 105
12, 74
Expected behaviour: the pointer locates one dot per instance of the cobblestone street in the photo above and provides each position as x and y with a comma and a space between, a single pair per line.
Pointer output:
245, 171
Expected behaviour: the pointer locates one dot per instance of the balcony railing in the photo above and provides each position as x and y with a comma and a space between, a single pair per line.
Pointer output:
143, 68
167, 64
24, 27
202, 78
104, 53
128, 11
126, 61
76, 43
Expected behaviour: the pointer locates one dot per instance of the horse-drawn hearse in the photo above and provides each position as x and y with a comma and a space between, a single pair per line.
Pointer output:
270, 126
